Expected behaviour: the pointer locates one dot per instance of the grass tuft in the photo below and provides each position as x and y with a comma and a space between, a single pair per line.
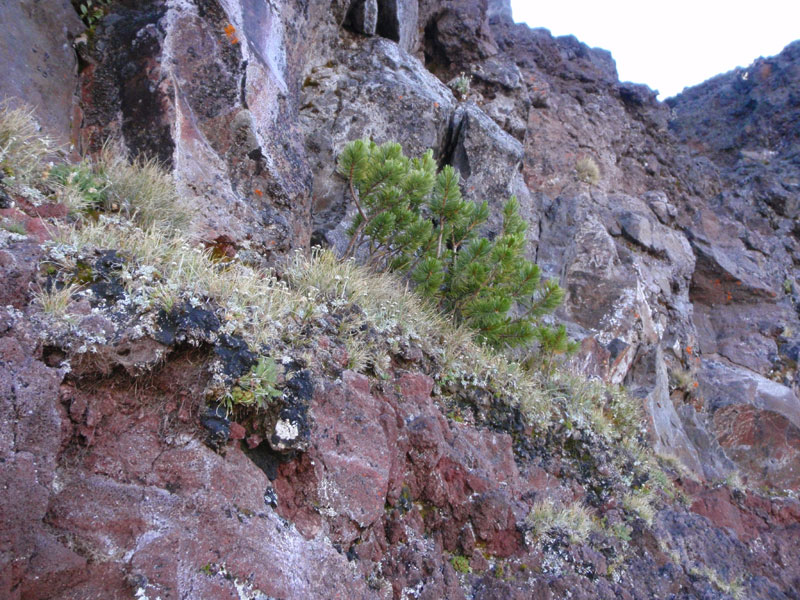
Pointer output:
572, 519
23, 147
55, 301
587, 171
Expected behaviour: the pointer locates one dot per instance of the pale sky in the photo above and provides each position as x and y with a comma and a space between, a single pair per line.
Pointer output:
674, 44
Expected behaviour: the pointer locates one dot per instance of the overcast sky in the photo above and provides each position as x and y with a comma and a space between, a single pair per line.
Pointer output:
674, 44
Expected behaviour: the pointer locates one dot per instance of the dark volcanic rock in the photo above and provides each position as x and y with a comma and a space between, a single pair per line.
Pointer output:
748, 114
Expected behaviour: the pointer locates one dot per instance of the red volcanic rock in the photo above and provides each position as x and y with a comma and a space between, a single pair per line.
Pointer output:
717, 506
393, 448
237, 432
111, 497
18, 263
494, 523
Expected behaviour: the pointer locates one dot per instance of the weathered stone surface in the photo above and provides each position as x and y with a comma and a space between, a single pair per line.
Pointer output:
40, 65
30, 426
18, 263
680, 270
211, 91
669, 435
456, 34
142, 510
756, 420
745, 114
397, 21
377, 91
488, 160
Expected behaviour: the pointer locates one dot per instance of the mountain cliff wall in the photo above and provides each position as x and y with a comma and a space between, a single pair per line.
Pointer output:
677, 246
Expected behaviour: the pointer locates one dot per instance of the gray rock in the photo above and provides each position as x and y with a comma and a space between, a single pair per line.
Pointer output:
756, 421
488, 160
39, 62
669, 435
397, 21
212, 93
380, 92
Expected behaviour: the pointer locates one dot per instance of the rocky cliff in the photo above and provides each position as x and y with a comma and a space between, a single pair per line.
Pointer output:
399, 461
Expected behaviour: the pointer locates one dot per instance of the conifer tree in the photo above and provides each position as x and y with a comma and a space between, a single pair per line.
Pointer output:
413, 220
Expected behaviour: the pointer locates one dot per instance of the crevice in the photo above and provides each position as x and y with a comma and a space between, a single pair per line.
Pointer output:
268, 460
243, 87
452, 150
388, 21
435, 54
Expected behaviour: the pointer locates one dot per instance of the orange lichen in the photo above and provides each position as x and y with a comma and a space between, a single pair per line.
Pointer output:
230, 31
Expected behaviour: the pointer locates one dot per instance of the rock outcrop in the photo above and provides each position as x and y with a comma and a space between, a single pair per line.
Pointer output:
671, 226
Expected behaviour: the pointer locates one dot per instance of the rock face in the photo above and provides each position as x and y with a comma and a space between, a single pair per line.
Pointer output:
672, 227
40, 65
743, 289
213, 92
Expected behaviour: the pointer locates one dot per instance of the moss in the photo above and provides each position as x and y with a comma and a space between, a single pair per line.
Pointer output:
461, 564
13, 227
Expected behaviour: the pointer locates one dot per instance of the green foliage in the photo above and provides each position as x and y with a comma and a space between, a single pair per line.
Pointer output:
256, 388
91, 11
87, 185
553, 342
461, 564
461, 85
413, 220
621, 531
14, 227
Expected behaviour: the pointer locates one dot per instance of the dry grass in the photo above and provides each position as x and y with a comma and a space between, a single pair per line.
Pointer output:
587, 171
734, 588
253, 299
573, 519
640, 502
55, 301
143, 191
23, 147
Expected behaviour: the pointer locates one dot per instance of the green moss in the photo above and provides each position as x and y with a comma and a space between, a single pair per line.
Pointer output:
461, 564
15, 228
621, 531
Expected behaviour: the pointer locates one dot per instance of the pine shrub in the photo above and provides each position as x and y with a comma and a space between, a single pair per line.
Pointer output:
412, 220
